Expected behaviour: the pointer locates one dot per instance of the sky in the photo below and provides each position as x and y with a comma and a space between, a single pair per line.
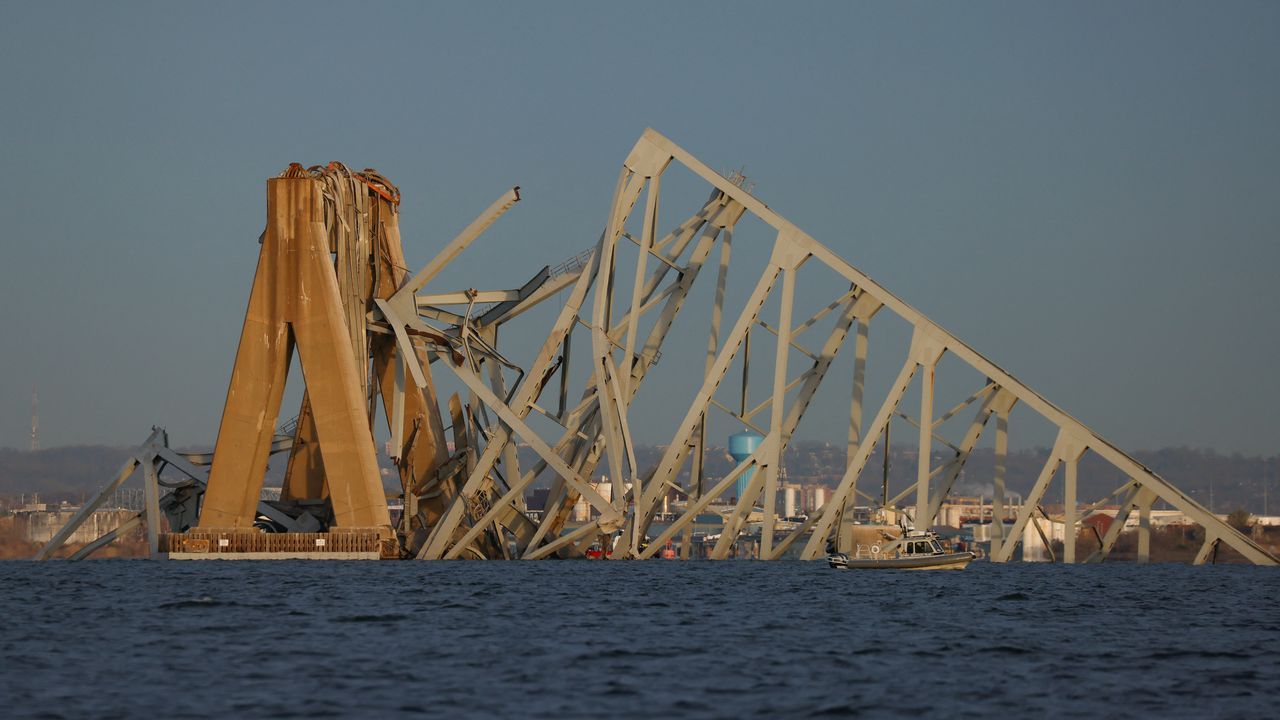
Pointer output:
1088, 193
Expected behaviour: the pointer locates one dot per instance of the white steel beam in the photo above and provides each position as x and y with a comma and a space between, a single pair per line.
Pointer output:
1031, 501
997, 494
1033, 400
770, 502
822, 529
1144, 525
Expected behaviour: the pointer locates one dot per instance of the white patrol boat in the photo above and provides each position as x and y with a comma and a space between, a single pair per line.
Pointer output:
918, 550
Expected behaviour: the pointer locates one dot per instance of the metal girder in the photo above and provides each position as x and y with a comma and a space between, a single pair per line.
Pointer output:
88, 508
521, 406
368, 330
1031, 501
828, 513
108, 537
976, 428
152, 457
1117, 525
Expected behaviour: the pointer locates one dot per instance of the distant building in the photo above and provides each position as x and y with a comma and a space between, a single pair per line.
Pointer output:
38, 523
537, 499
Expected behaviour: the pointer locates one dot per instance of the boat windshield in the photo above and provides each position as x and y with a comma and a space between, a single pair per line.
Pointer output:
936, 547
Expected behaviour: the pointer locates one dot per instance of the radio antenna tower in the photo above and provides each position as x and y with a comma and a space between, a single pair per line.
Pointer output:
35, 419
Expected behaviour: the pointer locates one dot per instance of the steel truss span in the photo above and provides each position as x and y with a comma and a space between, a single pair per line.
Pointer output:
331, 283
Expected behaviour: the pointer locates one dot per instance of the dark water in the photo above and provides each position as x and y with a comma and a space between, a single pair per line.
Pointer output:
651, 639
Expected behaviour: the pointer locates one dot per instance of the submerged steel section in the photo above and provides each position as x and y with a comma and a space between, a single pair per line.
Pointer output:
331, 283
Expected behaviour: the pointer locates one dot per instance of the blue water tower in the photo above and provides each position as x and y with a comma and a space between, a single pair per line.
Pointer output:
741, 445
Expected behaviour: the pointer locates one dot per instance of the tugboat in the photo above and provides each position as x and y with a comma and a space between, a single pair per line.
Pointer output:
919, 550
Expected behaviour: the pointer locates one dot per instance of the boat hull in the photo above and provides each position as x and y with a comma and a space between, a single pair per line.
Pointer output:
948, 561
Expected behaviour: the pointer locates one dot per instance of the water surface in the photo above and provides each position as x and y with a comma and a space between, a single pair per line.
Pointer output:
116, 638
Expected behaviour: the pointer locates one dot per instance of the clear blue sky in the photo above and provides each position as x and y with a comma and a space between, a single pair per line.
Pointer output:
1089, 193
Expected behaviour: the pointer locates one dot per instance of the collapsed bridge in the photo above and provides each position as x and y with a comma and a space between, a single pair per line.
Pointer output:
373, 341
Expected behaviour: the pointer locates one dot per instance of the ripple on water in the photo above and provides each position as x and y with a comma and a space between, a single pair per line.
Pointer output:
626, 639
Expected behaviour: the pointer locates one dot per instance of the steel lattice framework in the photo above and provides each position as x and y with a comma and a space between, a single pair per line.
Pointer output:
470, 503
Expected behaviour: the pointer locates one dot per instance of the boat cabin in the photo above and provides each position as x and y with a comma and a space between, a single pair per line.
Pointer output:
921, 545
